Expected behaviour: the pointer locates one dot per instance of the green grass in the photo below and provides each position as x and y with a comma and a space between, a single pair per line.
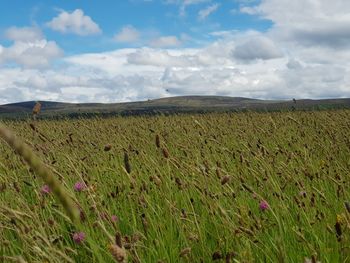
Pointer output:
176, 209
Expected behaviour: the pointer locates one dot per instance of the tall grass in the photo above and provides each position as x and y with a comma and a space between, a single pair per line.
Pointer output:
249, 187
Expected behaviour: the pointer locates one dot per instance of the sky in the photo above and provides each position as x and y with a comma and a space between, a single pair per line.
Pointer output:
129, 50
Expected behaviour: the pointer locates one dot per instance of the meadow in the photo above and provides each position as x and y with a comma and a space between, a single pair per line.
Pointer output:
228, 187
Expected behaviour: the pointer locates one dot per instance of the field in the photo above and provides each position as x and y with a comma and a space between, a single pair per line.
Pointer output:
240, 187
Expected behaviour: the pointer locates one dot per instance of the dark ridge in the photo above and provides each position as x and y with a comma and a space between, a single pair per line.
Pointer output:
171, 105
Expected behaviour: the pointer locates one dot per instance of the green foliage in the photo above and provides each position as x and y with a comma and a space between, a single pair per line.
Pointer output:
191, 195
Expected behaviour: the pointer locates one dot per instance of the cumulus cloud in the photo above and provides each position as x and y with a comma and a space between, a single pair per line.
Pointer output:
307, 22
34, 54
165, 41
160, 58
24, 34
138, 74
75, 22
204, 13
127, 34
29, 49
257, 48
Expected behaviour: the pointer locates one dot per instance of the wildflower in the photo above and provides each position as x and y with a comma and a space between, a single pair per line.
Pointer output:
78, 237
79, 186
114, 218
45, 189
263, 205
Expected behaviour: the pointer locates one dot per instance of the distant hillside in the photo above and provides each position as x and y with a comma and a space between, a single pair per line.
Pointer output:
182, 104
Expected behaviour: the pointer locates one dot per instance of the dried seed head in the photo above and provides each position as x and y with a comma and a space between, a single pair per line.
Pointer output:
118, 253
347, 206
118, 239
157, 141
32, 126
155, 179
165, 153
36, 108
218, 173
127, 163
186, 251
217, 255
225, 179
107, 148
178, 182
338, 230
193, 237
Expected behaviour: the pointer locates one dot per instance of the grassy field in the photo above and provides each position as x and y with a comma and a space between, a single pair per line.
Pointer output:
244, 187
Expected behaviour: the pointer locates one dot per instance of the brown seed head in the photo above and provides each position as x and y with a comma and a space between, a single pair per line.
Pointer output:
37, 108
107, 148
118, 253
225, 179
347, 206
186, 251
157, 141
165, 153
127, 163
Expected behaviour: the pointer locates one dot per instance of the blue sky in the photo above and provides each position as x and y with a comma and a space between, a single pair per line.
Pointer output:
126, 50
155, 17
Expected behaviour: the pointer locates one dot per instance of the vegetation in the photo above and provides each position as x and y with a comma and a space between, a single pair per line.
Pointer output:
229, 187
166, 106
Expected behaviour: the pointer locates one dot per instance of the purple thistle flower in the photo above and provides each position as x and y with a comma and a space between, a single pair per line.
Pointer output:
45, 189
264, 205
78, 237
79, 186
114, 218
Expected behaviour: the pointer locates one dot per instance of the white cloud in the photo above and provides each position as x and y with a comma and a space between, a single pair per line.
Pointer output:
127, 34
160, 58
204, 13
257, 48
25, 34
75, 22
307, 22
35, 54
137, 74
30, 49
165, 41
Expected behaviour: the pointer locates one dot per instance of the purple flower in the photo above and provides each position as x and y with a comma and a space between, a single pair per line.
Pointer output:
114, 218
263, 205
45, 189
79, 237
79, 186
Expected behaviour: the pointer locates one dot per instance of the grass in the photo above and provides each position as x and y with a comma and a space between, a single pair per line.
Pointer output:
183, 188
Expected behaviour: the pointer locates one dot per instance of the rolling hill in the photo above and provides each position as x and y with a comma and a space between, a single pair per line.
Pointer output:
181, 104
